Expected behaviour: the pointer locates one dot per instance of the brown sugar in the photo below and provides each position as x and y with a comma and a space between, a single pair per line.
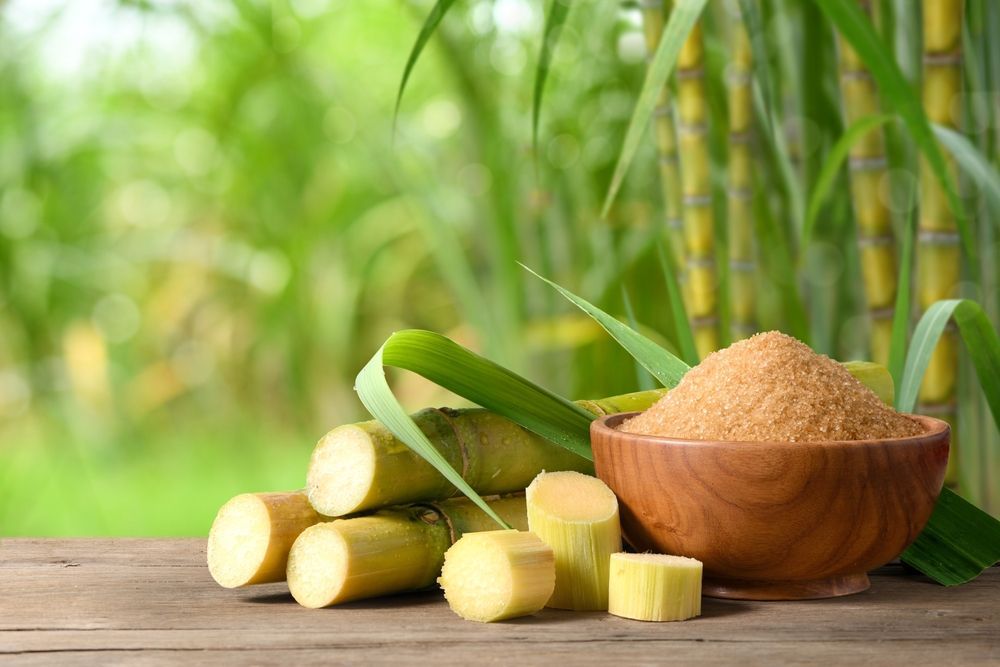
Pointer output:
771, 387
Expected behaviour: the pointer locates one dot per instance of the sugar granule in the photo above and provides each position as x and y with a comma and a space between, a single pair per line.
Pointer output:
771, 387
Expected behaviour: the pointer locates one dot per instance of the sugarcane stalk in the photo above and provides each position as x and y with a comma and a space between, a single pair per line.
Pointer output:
654, 587
577, 516
363, 466
876, 239
699, 217
394, 550
938, 252
742, 257
665, 133
498, 574
252, 534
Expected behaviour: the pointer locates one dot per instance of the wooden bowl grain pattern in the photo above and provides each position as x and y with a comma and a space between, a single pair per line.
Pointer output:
774, 520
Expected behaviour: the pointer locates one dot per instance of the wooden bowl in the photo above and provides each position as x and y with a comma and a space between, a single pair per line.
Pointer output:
774, 520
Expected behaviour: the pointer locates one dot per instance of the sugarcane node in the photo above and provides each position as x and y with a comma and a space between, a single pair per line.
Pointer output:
862, 164
876, 240
691, 73
856, 74
953, 59
692, 129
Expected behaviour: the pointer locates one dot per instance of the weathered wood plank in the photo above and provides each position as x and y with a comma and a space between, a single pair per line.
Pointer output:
138, 601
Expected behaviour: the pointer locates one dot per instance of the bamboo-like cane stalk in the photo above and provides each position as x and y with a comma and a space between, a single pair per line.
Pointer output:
251, 535
742, 257
876, 240
653, 13
396, 549
938, 251
699, 217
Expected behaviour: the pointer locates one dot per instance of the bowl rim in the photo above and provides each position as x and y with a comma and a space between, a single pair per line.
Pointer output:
936, 429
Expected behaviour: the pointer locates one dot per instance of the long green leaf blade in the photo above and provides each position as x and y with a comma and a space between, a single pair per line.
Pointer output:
664, 366
644, 381
441, 8
831, 167
453, 367
901, 314
957, 544
973, 163
852, 23
683, 16
980, 339
558, 12
682, 325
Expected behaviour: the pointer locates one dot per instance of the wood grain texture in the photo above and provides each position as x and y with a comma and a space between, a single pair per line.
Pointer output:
774, 521
72, 602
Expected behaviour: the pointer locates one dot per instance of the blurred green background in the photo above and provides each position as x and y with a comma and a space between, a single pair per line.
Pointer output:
207, 227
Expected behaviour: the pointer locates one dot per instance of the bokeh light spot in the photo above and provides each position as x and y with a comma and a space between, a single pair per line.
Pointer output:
117, 318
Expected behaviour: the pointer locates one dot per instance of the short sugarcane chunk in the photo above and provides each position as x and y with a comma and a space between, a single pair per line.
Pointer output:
496, 575
654, 587
576, 515
252, 534
392, 551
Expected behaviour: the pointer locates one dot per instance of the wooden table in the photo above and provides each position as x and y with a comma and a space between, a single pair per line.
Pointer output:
139, 601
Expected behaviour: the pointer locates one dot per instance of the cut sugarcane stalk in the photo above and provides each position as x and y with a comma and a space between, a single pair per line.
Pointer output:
394, 550
498, 574
654, 587
363, 466
251, 535
576, 515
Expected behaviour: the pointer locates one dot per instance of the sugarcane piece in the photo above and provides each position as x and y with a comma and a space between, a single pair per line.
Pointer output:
868, 169
742, 257
498, 574
391, 551
363, 466
252, 534
699, 218
666, 143
576, 515
939, 255
654, 587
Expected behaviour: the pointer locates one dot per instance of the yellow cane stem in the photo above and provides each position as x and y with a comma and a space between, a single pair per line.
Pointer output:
876, 240
938, 254
666, 142
699, 218
742, 262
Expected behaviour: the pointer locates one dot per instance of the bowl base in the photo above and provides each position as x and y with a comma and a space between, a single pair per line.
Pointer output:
740, 589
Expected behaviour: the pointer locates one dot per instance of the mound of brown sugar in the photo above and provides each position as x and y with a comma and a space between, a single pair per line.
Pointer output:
771, 387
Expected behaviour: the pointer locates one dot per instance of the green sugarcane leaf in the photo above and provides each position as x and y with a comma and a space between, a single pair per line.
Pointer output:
957, 544
554, 20
851, 21
492, 386
973, 163
831, 168
754, 25
980, 339
683, 17
437, 13
901, 314
682, 325
643, 379
664, 366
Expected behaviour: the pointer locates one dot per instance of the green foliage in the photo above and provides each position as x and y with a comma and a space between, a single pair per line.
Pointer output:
212, 218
